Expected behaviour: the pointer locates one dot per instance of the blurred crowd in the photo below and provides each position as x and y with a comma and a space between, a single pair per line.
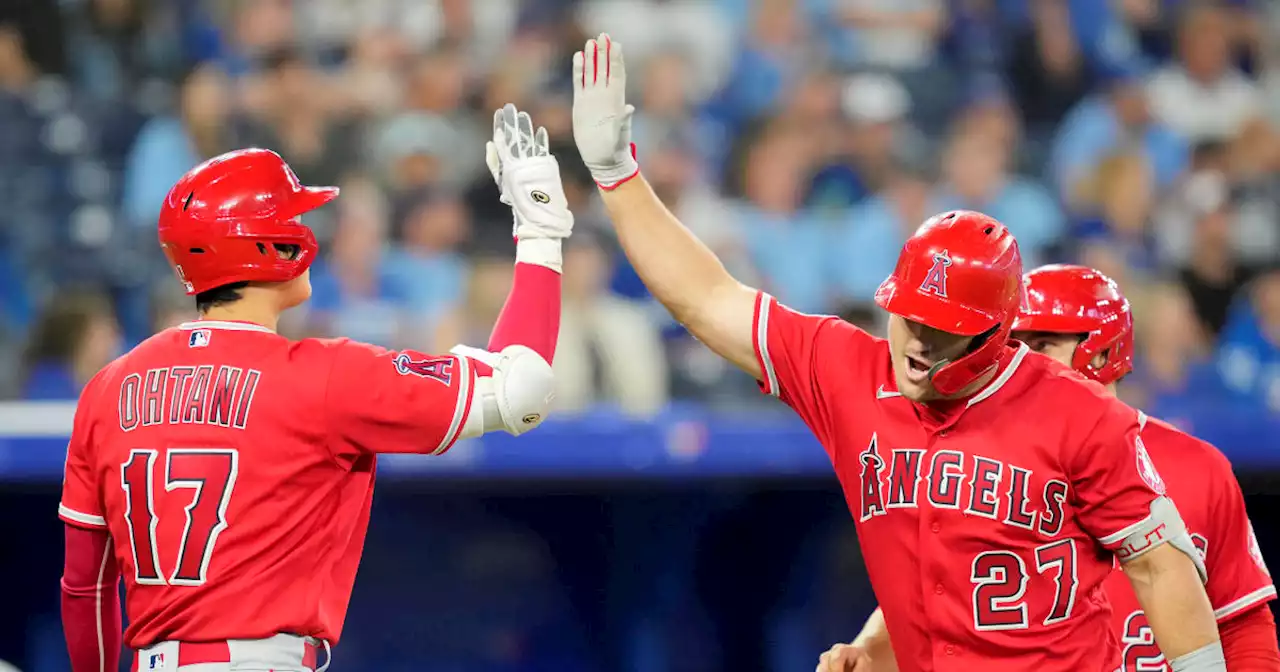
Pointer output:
803, 140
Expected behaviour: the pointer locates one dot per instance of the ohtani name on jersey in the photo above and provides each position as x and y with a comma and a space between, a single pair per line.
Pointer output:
950, 479
187, 395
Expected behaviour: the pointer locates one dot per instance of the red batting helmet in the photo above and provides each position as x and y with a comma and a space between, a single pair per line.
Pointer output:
960, 273
221, 222
1065, 299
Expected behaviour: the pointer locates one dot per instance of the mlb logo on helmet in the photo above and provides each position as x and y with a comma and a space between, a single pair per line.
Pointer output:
199, 338
935, 282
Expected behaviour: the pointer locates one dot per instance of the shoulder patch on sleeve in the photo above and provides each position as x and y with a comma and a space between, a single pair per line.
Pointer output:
439, 369
1147, 468
1255, 551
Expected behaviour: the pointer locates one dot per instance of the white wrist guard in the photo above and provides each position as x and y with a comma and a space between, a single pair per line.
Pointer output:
541, 251
1208, 658
515, 398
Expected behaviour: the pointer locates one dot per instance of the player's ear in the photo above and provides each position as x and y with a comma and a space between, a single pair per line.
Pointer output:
1100, 359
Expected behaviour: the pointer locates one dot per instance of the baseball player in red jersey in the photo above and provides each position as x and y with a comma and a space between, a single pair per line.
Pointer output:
227, 472
988, 517
1078, 316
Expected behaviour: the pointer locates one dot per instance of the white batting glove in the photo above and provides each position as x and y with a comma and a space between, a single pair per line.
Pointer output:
601, 115
528, 177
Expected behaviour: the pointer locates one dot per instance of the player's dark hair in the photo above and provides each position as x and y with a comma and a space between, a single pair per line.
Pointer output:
219, 296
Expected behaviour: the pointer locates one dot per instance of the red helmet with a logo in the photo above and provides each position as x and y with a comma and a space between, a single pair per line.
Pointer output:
221, 223
960, 273
1065, 299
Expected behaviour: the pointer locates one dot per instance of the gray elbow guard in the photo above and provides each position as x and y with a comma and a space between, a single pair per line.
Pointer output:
1208, 658
1164, 525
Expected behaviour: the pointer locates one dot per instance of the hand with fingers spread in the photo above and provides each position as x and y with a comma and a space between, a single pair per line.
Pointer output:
601, 115
528, 177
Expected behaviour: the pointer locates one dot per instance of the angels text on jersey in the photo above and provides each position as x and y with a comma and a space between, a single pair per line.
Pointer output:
184, 395
898, 478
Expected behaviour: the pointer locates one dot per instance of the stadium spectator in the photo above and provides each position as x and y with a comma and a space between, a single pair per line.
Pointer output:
671, 166
72, 339
865, 242
369, 77
1117, 115
253, 29
291, 109
784, 241
860, 158
480, 25
1114, 236
170, 307
894, 35
1255, 189
1202, 95
1047, 71
667, 106
1249, 351
702, 31
427, 266
114, 47
1174, 362
1208, 267
772, 55
354, 294
609, 350
980, 38
170, 145
435, 123
739, 101
17, 71
976, 176
32, 40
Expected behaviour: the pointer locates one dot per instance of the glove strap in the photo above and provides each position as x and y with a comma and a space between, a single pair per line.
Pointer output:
629, 167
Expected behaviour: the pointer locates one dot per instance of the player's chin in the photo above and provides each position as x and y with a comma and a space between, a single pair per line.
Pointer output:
915, 391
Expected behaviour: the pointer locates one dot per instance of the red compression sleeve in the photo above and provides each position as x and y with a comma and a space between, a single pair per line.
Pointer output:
91, 601
531, 315
1249, 641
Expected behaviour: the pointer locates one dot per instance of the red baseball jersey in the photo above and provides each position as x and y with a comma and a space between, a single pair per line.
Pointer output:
234, 470
987, 525
1200, 481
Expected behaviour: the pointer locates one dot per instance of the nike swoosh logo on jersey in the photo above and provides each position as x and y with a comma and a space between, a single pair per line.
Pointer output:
882, 393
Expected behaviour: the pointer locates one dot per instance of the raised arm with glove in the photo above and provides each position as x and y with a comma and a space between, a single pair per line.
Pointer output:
678, 269
528, 180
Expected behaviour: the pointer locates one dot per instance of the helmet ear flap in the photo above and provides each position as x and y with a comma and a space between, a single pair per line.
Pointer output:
951, 377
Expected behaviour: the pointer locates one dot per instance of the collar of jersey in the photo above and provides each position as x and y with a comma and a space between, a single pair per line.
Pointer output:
939, 415
227, 325
945, 408
999, 381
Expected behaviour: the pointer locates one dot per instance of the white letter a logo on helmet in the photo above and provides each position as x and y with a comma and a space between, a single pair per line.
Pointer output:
935, 282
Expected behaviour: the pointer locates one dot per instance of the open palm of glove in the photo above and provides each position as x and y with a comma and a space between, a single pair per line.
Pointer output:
527, 176
601, 115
